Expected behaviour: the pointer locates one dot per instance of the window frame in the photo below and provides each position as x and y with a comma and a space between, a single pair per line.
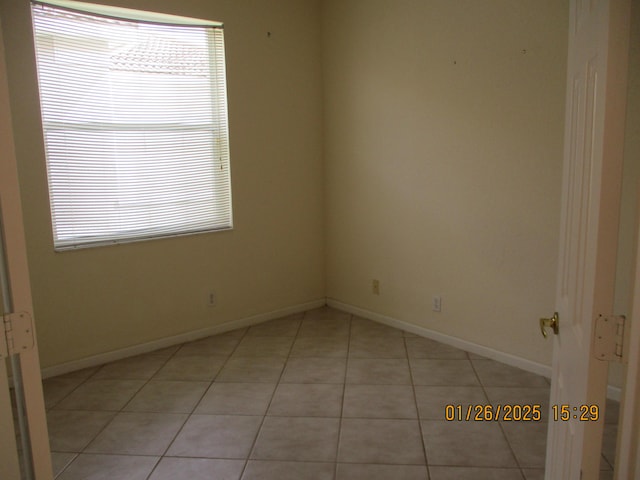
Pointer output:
220, 215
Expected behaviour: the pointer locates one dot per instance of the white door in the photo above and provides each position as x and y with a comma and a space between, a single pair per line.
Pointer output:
628, 444
594, 133
9, 466
16, 303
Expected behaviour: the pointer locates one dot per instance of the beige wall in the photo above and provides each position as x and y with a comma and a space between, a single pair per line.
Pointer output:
442, 143
631, 178
443, 152
102, 299
631, 172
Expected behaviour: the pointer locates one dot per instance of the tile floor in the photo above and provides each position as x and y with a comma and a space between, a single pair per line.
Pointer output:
320, 395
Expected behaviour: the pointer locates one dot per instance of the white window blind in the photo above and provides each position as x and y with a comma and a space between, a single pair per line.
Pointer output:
134, 115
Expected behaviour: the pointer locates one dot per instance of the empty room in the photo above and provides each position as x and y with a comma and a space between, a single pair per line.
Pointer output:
317, 239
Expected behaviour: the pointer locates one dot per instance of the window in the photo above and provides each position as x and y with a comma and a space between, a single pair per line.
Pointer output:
134, 115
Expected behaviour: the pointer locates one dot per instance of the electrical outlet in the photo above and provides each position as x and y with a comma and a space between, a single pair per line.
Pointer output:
436, 304
211, 298
375, 287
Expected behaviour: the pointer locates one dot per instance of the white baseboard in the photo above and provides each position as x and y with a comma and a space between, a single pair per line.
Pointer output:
613, 393
522, 363
120, 354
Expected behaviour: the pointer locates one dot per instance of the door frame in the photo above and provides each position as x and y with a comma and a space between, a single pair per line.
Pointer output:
20, 288
627, 463
592, 171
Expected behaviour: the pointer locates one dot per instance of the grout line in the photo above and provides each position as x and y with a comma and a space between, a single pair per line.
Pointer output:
504, 434
75, 456
245, 334
264, 416
81, 382
344, 392
116, 413
129, 401
415, 401
190, 414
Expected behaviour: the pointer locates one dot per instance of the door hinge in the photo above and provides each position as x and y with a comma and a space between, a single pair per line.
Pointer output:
18, 333
608, 338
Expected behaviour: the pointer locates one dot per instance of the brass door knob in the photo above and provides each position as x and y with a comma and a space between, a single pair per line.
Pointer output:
553, 322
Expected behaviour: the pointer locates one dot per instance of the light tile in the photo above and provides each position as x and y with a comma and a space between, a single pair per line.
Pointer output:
263, 346
138, 434
332, 387
347, 471
314, 370
377, 347
278, 470
101, 395
475, 356
530, 397
325, 322
432, 400
222, 345
171, 468
327, 313
379, 401
216, 436
281, 327
109, 467
55, 389
443, 372
238, 332
236, 399
82, 374
324, 328
71, 431
419, 347
378, 371
362, 327
473, 444
528, 441
166, 352
474, 473
252, 370
191, 368
534, 473
335, 347
59, 461
140, 367
496, 374
380, 441
297, 439
167, 396
307, 400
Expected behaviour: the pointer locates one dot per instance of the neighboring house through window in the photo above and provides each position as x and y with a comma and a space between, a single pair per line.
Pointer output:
134, 115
